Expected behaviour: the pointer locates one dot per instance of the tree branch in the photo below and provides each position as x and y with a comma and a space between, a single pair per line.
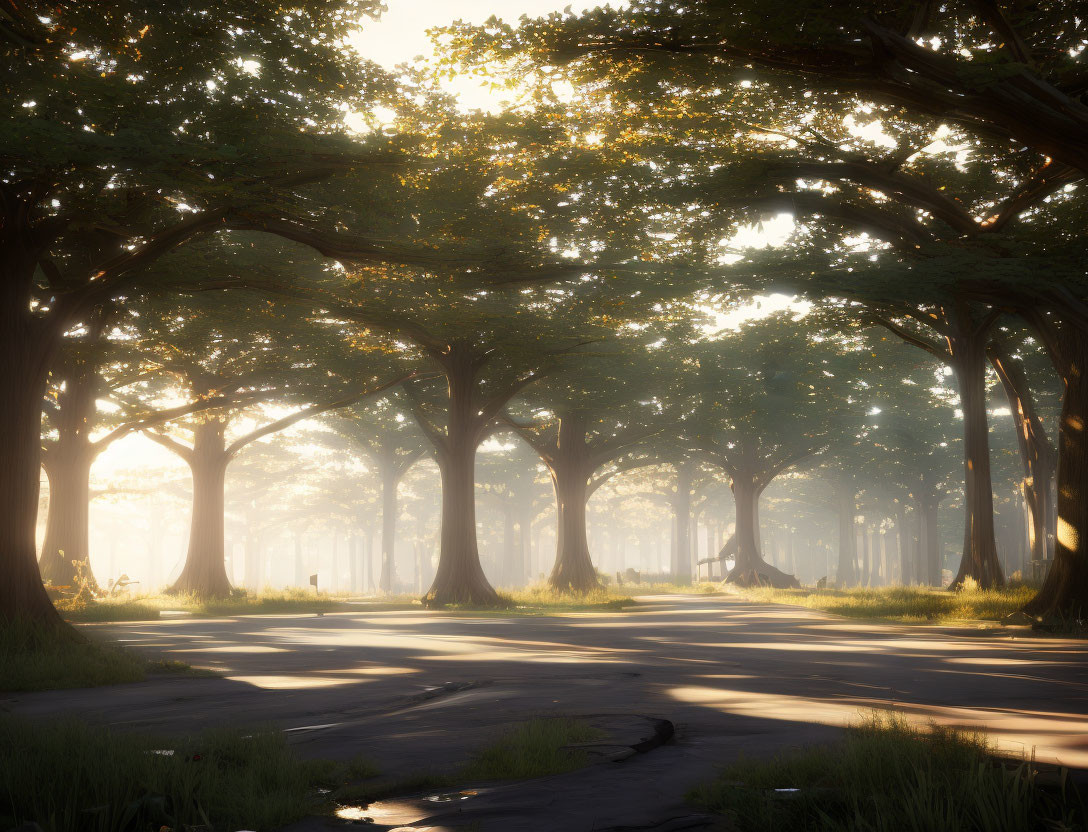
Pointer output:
309, 411
911, 338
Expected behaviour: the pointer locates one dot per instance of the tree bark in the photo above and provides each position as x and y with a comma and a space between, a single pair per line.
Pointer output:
1036, 453
846, 573
969, 361
573, 570
460, 578
27, 351
750, 569
204, 573
571, 467
1064, 594
66, 549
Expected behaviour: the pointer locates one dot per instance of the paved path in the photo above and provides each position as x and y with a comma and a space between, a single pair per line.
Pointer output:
417, 691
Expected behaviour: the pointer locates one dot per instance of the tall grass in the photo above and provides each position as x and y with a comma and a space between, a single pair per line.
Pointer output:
72, 777
887, 776
909, 604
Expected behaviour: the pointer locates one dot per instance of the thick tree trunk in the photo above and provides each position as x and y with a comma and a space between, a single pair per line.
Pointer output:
1064, 594
66, 550
750, 569
460, 578
204, 573
571, 469
27, 353
846, 573
388, 579
573, 570
980, 561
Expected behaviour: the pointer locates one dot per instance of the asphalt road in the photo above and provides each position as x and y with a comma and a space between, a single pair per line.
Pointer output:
417, 691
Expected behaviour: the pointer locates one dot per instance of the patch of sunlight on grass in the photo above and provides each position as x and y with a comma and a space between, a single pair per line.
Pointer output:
886, 775
72, 777
658, 588
908, 604
541, 599
33, 658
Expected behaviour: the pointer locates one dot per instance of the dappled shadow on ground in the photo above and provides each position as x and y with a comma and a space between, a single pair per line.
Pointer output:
420, 689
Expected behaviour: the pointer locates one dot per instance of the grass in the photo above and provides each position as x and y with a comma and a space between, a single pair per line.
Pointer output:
537, 748
908, 604
36, 659
886, 776
68, 776
240, 602
665, 588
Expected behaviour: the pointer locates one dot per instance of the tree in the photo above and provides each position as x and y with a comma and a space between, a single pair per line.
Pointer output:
1016, 100
268, 354
589, 412
767, 398
387, 436
121, 143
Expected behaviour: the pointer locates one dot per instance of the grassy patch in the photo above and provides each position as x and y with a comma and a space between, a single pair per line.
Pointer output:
71, 776
909, 604
240, 602
542, 599
659, 588
536, 748
37, 659
886, 776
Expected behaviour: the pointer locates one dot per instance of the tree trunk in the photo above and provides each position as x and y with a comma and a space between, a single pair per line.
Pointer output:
27, 353
388, 580
571, 469
1036, 454
681, 513
204, 573
460, 578
750, 569
906, 574
66, 550
929, 543
573, 570
846, 573
980, 559
1064, 594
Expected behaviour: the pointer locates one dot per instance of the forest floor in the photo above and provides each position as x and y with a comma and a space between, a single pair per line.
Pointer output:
419, 692
902, 604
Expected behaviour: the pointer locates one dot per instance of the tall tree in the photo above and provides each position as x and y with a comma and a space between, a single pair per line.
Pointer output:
385, 433
767, 399
588, 413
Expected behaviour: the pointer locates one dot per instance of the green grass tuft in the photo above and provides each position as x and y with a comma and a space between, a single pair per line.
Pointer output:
68, 776
907, 604
33, 658
887, 776
536, 748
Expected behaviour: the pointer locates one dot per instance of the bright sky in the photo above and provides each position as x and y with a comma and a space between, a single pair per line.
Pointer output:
401, 35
